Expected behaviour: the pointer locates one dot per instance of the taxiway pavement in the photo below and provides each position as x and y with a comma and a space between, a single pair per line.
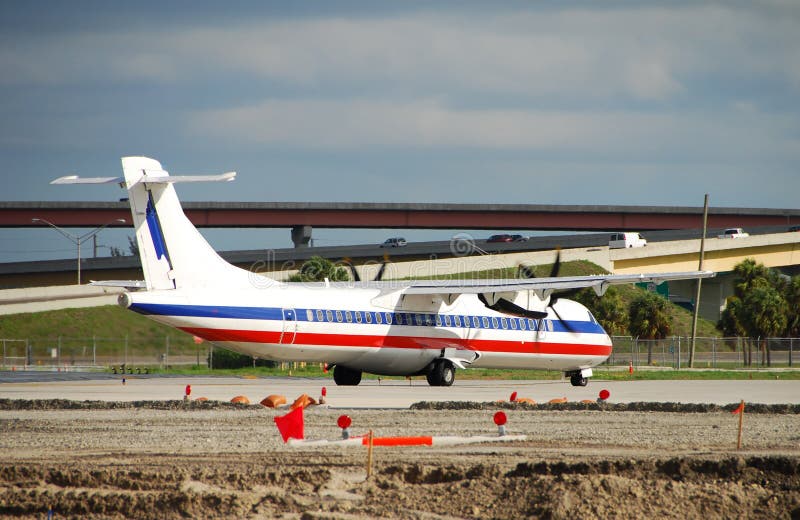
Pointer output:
80, 386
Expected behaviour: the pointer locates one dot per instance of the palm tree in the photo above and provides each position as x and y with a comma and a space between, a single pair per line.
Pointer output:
608, 310
317, 269
649, 319
765, 315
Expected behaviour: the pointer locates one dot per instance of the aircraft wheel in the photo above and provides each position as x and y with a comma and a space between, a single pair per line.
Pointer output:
578, 380
343, 376
442, 373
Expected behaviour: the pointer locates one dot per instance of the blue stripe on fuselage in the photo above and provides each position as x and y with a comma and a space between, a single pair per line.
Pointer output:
405, 318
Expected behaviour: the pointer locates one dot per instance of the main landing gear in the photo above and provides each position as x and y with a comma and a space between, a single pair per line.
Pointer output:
441, 373
344, 376
578, 378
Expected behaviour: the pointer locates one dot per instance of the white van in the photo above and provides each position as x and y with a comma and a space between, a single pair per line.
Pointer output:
623, 240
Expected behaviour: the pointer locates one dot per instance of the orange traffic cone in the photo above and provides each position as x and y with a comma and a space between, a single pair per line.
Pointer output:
630, 367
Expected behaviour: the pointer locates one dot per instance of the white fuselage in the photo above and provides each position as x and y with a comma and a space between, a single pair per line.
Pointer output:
374, 331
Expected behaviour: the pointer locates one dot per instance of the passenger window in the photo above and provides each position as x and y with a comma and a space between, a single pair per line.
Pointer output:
494, 323
485, 322
339, 316
368, 316
378, 317
389, 318
359, 319
309, 315
348, 316
447, 320
320, 315
513, 323
438, 321
329, 315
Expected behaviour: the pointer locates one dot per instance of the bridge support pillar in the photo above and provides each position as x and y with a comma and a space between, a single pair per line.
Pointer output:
301, 235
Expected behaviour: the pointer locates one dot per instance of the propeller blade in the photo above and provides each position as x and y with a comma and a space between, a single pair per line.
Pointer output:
524, 271
556, 265
379, 276
352, 268
565, 323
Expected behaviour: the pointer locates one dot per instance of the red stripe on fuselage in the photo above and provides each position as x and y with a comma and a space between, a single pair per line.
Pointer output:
406, 342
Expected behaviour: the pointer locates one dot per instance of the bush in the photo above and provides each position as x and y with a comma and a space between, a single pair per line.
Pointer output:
224, 358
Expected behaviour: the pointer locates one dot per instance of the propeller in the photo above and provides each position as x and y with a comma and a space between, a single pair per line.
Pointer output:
526, 272
354, 272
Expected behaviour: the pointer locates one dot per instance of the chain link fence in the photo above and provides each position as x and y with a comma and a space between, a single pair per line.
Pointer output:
122, 353
713, 352
142, 353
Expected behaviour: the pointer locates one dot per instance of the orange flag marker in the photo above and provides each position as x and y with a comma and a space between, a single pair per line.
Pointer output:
740, 411
291, 424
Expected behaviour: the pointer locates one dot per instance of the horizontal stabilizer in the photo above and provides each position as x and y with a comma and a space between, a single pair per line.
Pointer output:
74, 179
150, 179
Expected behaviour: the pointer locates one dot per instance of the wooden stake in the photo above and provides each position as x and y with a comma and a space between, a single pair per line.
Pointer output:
741, 419
369, 454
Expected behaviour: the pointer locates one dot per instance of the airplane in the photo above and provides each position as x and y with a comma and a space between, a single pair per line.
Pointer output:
400, 328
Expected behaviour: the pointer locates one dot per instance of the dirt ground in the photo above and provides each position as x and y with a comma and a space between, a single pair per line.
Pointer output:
216, 460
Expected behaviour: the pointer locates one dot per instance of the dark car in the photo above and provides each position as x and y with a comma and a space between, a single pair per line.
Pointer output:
506, 238
395, 242
794, 228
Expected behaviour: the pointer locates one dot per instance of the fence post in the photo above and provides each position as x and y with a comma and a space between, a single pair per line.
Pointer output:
125, 362
94, 350
28, 353
714, 352
166, 356
679, 352
58, 353
791, 340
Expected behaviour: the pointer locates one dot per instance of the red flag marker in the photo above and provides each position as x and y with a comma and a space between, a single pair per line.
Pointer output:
604, 394
290, 425
188, 390
739, 409
513, 397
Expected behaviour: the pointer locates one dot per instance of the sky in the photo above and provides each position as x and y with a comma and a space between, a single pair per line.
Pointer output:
571, 102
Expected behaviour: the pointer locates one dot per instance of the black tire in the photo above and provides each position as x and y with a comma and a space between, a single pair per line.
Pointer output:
344, 376
578, 380
442, 373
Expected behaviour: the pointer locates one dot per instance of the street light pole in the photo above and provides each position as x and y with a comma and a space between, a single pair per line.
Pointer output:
78, 239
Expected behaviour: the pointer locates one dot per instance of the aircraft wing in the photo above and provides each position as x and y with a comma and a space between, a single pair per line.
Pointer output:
127, 284
599, 282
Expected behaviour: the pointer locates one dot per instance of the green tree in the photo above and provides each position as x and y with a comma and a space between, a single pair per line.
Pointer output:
608, 309
317, 269
649, 317
791, 294
763, 305
765, 315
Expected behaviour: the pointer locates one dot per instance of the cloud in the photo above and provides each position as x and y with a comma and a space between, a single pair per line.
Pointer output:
587, 54
358, 124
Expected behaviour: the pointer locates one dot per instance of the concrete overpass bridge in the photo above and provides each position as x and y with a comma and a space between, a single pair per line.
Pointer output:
302, 217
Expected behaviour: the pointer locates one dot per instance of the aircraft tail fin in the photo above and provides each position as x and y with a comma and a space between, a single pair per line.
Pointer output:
173, 253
